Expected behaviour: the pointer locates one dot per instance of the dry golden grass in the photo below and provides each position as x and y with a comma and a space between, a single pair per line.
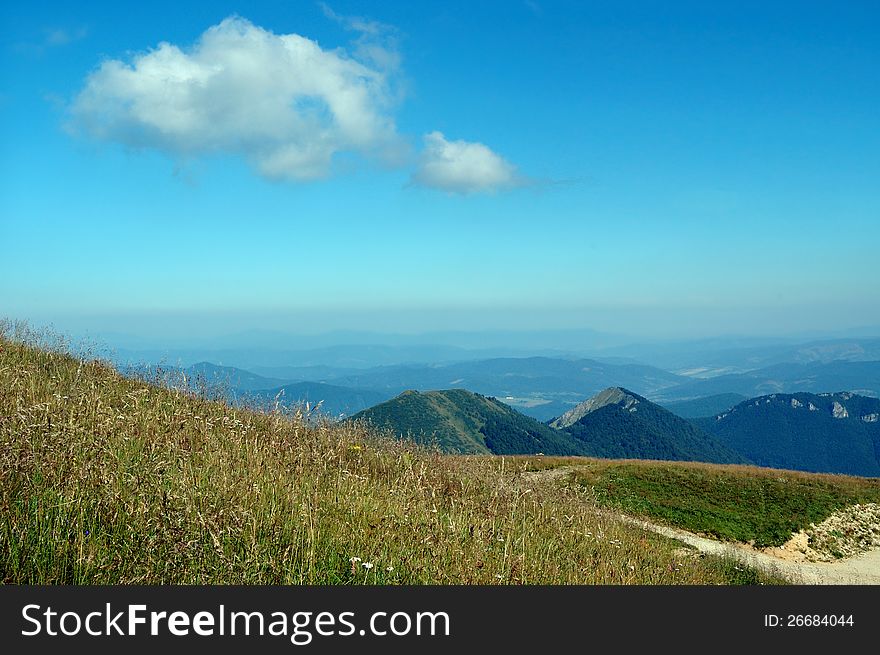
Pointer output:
107, 480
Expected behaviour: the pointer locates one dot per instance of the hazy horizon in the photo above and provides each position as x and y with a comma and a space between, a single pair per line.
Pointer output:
303, 332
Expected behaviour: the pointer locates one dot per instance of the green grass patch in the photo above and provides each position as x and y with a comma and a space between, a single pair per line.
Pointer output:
747, 504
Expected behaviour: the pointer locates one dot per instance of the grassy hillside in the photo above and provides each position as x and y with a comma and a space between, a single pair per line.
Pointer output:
832, 433
459, 421
108, 480
737, 503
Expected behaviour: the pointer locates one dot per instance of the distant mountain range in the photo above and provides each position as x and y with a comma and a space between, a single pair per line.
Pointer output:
258, 350
517, 375
545, 387
859, 377
245, 388
226, 380
331, 400
266, 358
541, 387
740, 355
828, 432
230, 377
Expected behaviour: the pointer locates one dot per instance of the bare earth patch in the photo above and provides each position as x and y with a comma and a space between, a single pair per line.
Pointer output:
847, 532
546, 475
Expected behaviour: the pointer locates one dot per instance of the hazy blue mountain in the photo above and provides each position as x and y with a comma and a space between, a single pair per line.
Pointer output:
246, 388
528, 384
706, 406
335, 401
708, 356
315, 373
463, 422
255, 349
859, 377
571, 341
618, 423
205, 376
338, 356
828, 432
229, 376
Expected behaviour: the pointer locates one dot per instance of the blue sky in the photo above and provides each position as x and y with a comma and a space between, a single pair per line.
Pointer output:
694, 170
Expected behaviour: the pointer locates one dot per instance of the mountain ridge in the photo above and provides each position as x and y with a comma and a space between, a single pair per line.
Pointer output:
828, 432
617, 423
462, 421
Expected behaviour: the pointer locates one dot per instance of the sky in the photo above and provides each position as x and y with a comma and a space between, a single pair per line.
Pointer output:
647, 168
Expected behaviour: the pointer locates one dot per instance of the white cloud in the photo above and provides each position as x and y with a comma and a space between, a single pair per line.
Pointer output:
463, 167
59, 36
356, 23
279, 100
53, 38
376, 42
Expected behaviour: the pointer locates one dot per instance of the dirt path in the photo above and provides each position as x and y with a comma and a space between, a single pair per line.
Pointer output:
546, 475
857, 570
861, 569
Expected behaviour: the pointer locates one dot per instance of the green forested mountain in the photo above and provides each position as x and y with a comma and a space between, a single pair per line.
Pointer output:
464, 422
827, 432
620, 424
614, 423
834, 433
